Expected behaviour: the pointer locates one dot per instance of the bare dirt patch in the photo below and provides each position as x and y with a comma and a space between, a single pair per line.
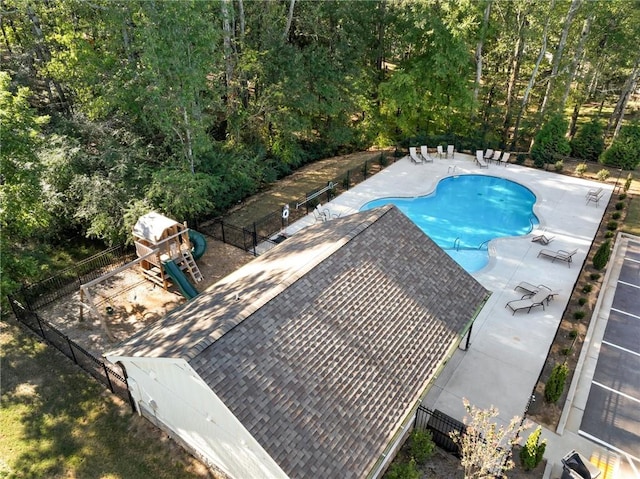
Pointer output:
134, 302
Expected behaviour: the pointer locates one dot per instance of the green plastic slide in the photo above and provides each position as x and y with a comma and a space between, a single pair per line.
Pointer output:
199, 244
187, 290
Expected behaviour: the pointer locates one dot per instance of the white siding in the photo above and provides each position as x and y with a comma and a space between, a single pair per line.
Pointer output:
179, 398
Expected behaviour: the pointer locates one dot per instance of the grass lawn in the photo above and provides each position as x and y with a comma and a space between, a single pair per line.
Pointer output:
631, 223
56, 422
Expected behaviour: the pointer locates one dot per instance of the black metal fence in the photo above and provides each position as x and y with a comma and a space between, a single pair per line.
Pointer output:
28, 300
441, 427
263, 233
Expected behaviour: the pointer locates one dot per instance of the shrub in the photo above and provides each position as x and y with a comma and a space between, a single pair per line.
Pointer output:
421, 445
558, 165
624, 152
533, 450
520, 158
573, 334
622, 196
612, 225
609, 234
581, 169
582, 301
555, 385
403, 470
620, 205
550, 142
588, 143
627, 183
578, 315
602, 255
616, 215
594, 276
566, 351
587, 288
603, 174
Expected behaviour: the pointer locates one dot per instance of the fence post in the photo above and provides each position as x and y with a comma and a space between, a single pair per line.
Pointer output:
348, 179
40, 326
106, 373
73, 354
224, 238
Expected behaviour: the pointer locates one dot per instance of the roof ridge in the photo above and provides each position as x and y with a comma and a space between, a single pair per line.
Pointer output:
297, 274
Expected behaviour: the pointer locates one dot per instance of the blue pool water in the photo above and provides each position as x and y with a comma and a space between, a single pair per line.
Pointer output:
465, 212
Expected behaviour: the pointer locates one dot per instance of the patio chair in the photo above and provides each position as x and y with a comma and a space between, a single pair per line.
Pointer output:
496, 156
440, 151
595, 198
488, 154
560, 255
415, 156
528, 302
426, 157
505, 159
593, 192
542, 239
480, 160
319, 214
450, 151
531, 289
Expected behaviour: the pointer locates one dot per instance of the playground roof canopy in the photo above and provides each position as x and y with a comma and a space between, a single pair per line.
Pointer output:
152, 226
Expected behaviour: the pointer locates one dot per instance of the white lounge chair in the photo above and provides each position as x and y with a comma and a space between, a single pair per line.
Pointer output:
496, 156
480, 160
560, 255
542, 239
505, 158
531, 289
450, 151
593, 192
595, 198
529, 302
440, 151
488, 154
424, 151
415, 156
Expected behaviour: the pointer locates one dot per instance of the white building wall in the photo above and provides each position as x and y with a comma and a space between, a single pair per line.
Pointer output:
179, 398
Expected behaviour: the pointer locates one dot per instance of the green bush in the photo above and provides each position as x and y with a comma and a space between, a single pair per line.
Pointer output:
624, 152
555, 385
533, 450
581, 169
382, 160
587, 288
550, 142
620, 205
622, 196
609, 234
594, 276
603, 174
616, 215
612, 225
573, 334
602, 255
588, 143
558, 165
582, 301
520, 158
566, 351
578, 314
403, 470
421, 445
627, 183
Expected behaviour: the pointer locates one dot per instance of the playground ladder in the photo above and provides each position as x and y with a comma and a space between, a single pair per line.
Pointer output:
191, 265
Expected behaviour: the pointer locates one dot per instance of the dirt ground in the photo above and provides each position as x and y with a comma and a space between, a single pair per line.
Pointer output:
135, 301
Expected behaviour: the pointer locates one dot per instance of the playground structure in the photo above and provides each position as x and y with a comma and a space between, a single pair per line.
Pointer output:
165, 249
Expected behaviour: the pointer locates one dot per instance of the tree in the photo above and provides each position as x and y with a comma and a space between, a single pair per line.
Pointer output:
602, 255
588, 143
624, 152
533, 450
555, 385
550, 142
486, 447
23, 218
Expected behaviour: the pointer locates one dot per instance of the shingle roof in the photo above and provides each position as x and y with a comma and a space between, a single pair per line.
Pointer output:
334, 336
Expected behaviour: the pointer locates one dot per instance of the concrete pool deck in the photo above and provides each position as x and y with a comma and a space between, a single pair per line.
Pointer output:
507, 351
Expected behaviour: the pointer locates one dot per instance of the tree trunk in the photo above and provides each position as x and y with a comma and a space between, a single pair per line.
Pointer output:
514, 74
285, 34
226, 7
577, 60
627, 90
557, 56
479, 46
532, 80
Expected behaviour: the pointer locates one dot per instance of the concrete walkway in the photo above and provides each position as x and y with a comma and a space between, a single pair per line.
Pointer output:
507, 351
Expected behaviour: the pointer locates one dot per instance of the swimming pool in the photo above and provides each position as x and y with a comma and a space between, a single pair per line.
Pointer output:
465, 212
